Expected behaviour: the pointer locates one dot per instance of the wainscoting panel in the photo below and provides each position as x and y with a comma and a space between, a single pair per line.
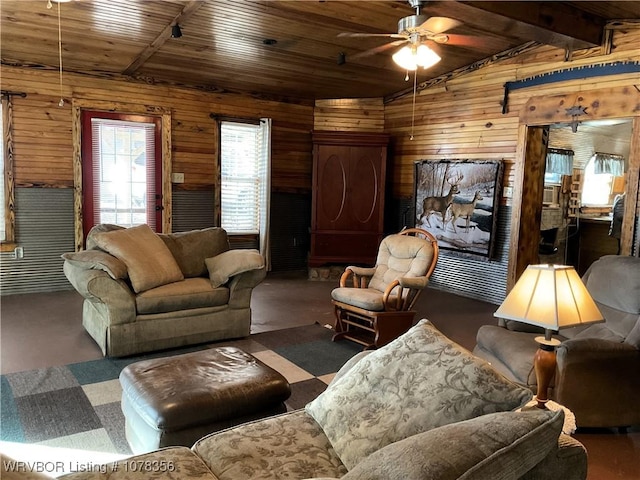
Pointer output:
290, 223
479, 279
44, 230
192, 209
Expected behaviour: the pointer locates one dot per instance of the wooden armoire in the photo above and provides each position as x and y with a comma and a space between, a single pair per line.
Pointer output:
347, 209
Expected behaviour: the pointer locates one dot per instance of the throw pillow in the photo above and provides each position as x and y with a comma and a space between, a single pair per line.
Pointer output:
148, 260
224, 266
421, 380
499, 446
98, 260
191, 248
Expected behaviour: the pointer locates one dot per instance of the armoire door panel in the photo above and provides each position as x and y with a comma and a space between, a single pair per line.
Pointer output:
332, 178
364, 186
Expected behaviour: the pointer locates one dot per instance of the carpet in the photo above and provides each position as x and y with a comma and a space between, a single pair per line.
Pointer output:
78, 405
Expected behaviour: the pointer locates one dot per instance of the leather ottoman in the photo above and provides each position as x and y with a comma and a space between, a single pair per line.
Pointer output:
177, 400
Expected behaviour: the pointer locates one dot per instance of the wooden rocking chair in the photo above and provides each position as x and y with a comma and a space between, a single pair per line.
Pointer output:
377, 307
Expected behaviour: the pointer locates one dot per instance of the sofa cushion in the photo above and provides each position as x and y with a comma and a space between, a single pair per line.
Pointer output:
100, 228
98, 260
291, 445
421, 380
614, 281
497, 446
191, 248
224, 266
513, 350
184, 295
148, 260
173, 463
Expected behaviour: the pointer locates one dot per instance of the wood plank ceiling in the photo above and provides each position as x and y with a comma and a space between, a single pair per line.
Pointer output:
223, 46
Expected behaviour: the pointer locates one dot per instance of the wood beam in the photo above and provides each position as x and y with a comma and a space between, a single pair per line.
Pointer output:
632, 193
527, 200
188, 10
551, 23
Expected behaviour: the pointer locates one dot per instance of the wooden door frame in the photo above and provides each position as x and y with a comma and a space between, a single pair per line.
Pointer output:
97, 105
611, 103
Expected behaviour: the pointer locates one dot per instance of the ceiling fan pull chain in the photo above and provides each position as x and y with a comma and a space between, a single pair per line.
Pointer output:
61, 102
413, 111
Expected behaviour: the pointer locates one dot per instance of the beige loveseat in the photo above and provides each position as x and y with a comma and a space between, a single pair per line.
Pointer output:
419, 408
145, 291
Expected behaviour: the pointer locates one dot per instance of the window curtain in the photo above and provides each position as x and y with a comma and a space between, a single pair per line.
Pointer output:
265, 190
559, 161
608, 163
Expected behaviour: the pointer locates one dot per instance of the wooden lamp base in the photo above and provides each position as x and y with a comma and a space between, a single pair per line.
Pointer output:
544, 364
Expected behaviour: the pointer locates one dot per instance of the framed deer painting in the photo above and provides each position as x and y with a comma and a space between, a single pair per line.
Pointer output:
457, 201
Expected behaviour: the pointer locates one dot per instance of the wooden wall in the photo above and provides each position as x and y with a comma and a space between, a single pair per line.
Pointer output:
43, 130
457, 119
462, 118
349, 115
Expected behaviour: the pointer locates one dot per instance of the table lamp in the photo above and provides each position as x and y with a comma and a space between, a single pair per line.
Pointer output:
551, 297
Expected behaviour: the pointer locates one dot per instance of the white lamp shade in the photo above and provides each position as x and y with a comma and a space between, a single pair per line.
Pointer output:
411, 57
550, 296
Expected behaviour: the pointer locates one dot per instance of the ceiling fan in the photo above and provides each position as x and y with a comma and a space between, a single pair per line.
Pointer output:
419, 32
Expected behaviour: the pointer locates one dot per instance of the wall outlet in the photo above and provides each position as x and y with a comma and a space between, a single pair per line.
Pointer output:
507, 192
177, 177
18, 252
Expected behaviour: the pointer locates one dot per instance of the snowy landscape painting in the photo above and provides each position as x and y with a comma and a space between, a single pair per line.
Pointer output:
456, 201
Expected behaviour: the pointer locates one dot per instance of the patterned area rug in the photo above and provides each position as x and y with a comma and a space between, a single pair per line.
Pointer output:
78, 405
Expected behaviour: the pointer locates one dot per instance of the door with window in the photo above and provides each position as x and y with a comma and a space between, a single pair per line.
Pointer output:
122, 170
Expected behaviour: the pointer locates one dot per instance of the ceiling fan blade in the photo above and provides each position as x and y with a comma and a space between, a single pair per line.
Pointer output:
439, 24
359, 35
373, 51
462, 40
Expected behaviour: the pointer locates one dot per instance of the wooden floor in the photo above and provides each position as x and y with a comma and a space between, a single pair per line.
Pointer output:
44, 330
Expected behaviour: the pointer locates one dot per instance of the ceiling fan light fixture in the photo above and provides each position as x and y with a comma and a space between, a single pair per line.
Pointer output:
410, 57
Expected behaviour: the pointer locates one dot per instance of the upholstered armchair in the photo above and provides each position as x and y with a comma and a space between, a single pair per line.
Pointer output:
597, 373
374, 305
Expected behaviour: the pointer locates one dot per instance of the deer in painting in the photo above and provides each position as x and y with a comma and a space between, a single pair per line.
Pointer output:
440, 204
464, 210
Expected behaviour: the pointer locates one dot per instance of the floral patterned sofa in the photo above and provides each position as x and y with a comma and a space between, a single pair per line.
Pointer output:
421, 407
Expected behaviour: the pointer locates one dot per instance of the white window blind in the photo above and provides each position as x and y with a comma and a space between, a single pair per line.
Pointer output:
123, 172
242, 174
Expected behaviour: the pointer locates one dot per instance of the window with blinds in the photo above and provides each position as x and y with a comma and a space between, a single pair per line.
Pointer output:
121, 169
242, 172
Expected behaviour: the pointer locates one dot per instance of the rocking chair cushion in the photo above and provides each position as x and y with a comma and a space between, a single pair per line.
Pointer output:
401, 256
367, 298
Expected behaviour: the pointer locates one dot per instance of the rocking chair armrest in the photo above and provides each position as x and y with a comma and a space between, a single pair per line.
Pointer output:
417, 283
363, 271
387, 302
360, 276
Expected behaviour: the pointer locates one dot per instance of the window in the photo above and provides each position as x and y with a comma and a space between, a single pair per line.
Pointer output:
244, 168
121, 170
598, 181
